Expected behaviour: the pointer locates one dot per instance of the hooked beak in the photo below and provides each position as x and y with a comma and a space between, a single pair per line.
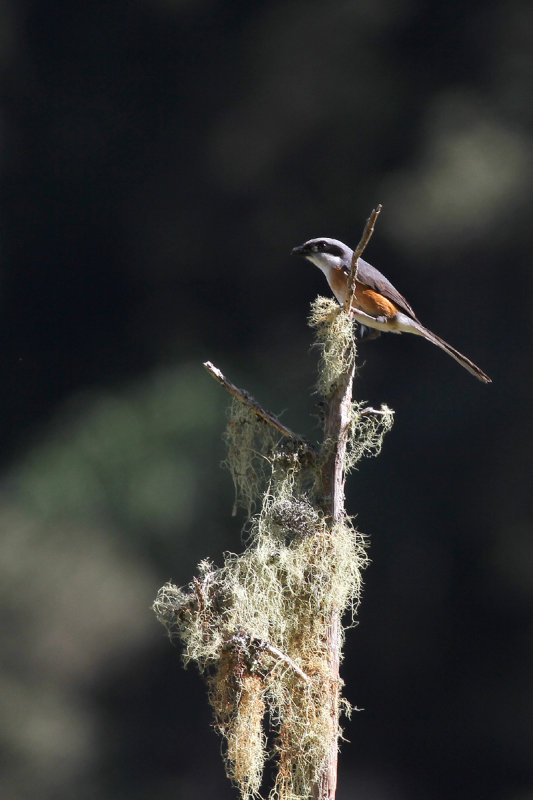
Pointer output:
301, 250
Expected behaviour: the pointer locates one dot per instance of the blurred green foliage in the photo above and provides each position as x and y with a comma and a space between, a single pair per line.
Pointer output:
137, 459
158, 161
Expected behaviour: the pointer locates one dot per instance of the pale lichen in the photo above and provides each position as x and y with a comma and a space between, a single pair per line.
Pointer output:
257, 626
249, 441
281, 591
368, 427
335, 341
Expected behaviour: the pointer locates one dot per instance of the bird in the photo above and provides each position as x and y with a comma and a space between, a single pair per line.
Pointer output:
377, 303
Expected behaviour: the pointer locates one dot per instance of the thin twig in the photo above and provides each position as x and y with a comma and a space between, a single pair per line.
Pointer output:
282, 657
381, 411
242, 639
249, 401
357, 253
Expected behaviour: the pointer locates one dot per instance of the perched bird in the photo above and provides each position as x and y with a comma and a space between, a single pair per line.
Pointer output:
377, 304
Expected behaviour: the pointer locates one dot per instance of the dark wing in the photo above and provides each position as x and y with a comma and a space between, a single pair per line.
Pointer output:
373, 278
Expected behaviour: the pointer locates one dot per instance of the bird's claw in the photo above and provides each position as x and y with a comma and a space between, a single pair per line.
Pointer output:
364, 333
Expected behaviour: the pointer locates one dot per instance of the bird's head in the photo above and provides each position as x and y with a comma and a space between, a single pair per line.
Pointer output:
325, 253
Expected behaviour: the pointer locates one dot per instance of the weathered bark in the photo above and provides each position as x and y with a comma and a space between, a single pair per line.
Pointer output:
332, 491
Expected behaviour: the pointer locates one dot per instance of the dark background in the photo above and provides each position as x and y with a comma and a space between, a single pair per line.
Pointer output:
159, 160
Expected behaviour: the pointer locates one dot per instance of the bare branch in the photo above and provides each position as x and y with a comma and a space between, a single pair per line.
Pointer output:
249, 401
332, 489
282, 657
380, 411
357, 253
243, 639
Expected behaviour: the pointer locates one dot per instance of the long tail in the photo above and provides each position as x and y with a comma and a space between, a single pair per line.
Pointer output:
404, 324
459, 357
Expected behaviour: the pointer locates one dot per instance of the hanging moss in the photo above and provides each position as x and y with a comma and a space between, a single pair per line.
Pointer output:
367, 431
249, 441
279, 591
335, 342
257, 626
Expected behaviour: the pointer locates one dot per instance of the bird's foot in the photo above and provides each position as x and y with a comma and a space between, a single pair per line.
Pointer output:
364, 333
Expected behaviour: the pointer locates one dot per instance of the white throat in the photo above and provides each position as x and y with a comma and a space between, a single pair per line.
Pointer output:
325, 261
